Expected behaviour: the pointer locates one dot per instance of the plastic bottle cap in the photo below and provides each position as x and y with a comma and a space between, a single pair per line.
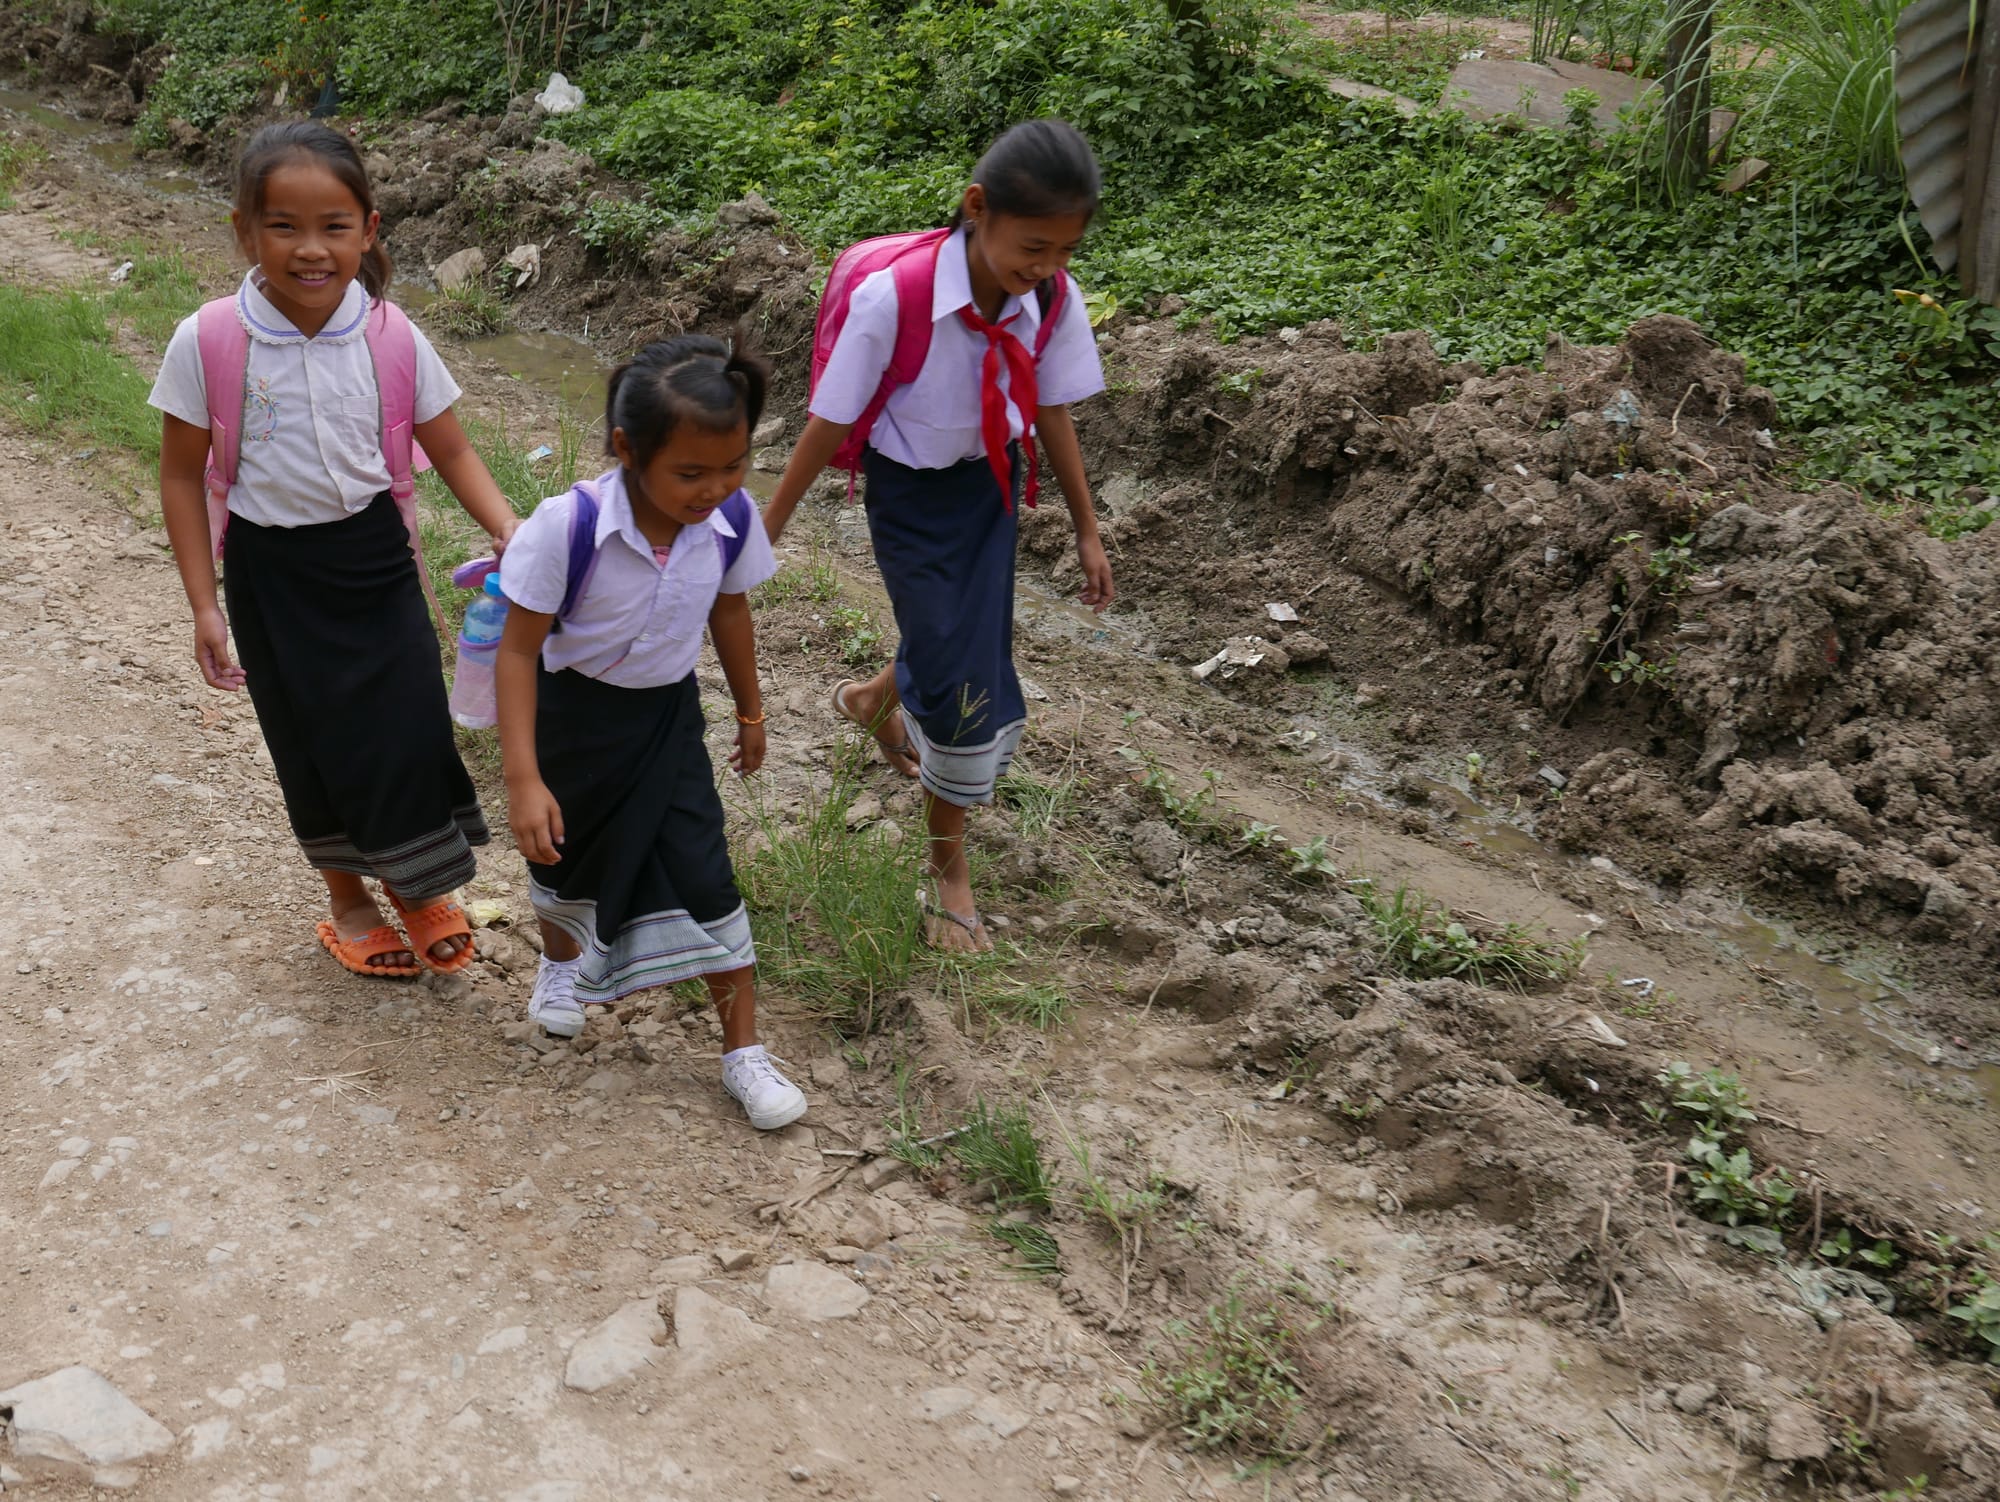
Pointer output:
492, 585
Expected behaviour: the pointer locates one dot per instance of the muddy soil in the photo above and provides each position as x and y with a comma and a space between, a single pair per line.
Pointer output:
345, 1239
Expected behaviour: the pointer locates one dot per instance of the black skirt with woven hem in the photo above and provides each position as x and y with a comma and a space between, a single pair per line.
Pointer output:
342, 663
644, 885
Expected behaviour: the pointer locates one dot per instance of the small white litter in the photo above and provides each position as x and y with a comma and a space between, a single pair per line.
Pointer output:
1602, 1030
124, 271
561, 97
1284, 615
1033, 690
539, 452
1239, 656
1640, 983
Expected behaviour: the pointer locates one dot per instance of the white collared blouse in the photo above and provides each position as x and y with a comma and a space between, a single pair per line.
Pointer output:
639, 622
312, 439
933, 423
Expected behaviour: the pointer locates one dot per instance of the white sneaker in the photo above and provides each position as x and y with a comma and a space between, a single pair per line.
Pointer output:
554, 1004
767, 1097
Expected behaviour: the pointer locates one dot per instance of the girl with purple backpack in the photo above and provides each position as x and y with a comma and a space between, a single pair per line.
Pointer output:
938, 359
609, 786
298, 405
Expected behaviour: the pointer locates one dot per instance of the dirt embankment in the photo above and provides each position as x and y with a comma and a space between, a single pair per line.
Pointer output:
1740, 678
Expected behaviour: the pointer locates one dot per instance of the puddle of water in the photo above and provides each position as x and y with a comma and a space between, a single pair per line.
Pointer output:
15, 102
116, 154
1857, 1001
555, 363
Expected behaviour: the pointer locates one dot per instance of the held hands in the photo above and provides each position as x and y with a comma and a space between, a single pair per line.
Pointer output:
1097, 588
749, 753
537, 822
211, 651
504, 535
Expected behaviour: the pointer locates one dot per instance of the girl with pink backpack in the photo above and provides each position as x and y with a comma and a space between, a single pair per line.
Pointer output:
938, 359
293, 416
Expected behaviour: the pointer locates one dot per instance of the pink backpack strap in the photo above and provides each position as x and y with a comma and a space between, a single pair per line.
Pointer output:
224, 345
392, 345
911, 261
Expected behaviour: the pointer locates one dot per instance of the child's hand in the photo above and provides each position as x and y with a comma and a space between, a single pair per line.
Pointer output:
1097, 588
211, 651
537, 822
505, 535
749, 753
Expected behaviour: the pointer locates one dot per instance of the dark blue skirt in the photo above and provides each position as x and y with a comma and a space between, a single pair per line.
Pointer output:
944, 540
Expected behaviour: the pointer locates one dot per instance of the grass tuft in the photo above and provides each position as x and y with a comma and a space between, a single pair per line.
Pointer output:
1039, 1252
468, 311
1001, 1147
1426, 942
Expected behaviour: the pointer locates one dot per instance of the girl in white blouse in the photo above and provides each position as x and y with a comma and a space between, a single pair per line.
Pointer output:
944, 463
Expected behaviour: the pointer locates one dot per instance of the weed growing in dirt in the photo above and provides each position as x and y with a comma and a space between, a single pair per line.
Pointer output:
1425, 941
861, 635
1194, 814
1912, 1489
1724, 1181
16, 156
466, 311
908, 1140
1981, 1315
833, 911
1233, 1376
815, 580
1313, 861
1039, 1252
60, 374
1038, 804
1001, 1148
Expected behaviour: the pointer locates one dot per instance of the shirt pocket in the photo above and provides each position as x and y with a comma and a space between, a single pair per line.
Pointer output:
686, 593
354, 424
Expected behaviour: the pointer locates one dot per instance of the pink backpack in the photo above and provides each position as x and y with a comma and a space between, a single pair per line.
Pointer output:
225, 368
912, 260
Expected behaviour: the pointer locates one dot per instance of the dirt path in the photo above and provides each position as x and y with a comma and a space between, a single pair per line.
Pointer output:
348, 1240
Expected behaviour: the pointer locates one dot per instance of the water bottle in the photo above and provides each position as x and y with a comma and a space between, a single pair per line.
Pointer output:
472, 700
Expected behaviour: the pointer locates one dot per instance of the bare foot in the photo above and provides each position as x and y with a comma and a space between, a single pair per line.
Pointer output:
867, 706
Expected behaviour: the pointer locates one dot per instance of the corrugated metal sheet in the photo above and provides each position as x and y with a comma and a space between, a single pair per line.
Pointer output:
1933, 114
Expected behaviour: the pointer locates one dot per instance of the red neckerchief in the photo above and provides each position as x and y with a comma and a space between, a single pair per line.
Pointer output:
993, 425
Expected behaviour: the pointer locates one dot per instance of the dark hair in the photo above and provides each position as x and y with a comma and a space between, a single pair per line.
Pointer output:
275, 146
1037, 170
691, 377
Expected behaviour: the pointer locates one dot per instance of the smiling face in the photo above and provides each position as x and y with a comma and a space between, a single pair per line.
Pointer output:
308, 239
690, 475
1015, 253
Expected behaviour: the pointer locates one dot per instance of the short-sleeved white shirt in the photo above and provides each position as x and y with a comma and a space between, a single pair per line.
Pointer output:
933, 423
639, 623
312, 420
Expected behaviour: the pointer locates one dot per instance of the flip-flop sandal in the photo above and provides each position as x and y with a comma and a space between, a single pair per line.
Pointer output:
427, 926
973, 926
890, 753
354, 954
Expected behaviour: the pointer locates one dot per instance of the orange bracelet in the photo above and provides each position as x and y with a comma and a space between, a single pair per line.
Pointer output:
746, 720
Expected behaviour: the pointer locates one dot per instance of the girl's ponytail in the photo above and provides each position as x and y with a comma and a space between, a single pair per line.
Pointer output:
1038, 169
691, 377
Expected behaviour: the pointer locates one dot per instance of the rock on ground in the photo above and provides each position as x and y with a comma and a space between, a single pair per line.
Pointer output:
74, 1422
617, 1348
708, 1330
812, 1290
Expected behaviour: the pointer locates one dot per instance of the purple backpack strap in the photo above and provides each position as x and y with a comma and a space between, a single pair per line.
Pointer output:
582, 548
741, 516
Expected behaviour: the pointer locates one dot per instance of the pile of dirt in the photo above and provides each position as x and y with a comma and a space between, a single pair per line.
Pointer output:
1744, 678
454, 181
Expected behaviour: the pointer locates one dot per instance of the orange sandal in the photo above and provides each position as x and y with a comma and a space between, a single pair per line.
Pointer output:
354, 954
427, 926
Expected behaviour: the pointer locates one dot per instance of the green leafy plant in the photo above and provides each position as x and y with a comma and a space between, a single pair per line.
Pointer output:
1981, 1315
1234, 1377
1258, 836
861, 637
1727, 1187
468, 310
1715, 1099
1314, 860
